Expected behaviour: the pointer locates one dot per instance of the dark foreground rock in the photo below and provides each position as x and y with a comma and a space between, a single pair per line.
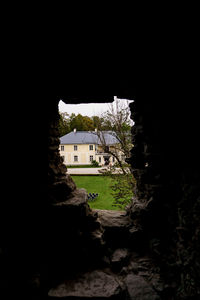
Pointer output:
116, 225
119, 258
94, 285
139, 289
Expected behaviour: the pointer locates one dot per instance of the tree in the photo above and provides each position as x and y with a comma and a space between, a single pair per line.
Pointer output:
97, 122
117, 121
81, 123
64, 125
122, 186
67, 123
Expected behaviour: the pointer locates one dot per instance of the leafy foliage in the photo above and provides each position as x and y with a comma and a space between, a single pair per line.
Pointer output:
68, 123
95, 163
81, 123
64, 124
122, 186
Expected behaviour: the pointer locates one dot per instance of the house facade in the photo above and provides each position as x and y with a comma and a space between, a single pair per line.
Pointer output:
82, 147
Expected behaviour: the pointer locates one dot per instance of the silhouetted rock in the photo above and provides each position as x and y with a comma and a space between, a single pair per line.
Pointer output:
119, 258
139, 289
94, 285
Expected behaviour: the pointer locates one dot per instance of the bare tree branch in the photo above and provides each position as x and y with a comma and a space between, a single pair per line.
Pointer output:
118, 124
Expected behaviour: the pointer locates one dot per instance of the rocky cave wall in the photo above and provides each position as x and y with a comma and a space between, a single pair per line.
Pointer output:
165, 163
166, 206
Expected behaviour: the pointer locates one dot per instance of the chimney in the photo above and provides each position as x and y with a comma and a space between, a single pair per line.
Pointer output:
74, 130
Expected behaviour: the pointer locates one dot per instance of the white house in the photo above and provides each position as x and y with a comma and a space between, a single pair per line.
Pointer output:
82, 147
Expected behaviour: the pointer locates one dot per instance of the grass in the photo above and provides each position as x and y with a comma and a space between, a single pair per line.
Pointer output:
97, 184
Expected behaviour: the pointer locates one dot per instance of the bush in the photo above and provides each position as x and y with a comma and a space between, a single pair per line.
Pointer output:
122, 185
94, 163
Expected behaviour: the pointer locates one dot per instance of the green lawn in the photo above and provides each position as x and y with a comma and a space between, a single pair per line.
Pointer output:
97, 184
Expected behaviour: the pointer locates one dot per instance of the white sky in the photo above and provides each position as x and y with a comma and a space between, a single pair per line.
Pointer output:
91, 109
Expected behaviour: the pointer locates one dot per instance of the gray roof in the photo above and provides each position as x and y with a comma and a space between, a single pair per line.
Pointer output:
88, 137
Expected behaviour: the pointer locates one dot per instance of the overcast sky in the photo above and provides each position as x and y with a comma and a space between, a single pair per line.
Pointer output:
91, 109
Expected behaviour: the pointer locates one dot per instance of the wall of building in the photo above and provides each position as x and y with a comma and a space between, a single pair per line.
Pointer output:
82, 152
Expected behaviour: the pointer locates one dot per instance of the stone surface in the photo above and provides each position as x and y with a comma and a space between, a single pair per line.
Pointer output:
94, 285
165, 164
119, 255
119, 259
77, 198
75, 204
116, 225
139, 289
112, 218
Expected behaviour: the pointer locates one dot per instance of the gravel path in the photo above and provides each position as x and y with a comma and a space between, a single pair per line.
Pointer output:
84, 171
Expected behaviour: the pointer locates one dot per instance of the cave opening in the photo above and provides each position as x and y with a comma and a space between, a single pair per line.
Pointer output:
96, 140
56, 242
102, 240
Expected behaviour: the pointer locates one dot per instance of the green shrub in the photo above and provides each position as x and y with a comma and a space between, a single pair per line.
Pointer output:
94, 163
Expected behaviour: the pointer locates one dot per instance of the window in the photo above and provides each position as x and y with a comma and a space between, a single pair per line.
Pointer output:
63, 158
106, 149
91, 158
91, 147
75, 147
99, 159
75, 158
62, 148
